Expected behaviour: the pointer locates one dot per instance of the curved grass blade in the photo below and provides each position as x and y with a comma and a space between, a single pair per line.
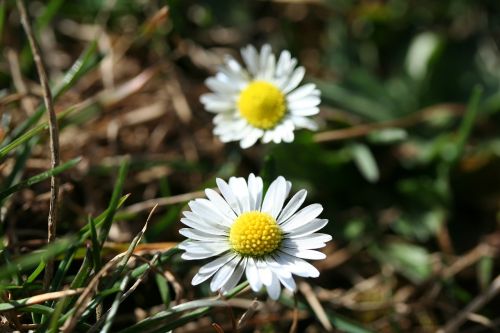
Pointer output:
40, 177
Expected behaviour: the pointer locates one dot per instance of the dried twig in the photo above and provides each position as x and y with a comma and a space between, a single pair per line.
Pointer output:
476, 304
53, 132
412, 119
316, 306
175, 199
37, 299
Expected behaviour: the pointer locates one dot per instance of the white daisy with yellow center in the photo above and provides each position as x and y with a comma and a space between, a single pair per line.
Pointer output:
262, 101
253, 234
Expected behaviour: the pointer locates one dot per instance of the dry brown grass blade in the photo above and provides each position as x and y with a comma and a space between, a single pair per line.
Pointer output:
454, 324
316, 306
37, 299
27, 103
91, 288
53, 133
411, 120
112, 96
175, 199
141, 248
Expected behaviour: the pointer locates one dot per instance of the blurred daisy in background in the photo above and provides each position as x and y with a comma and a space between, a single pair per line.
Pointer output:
262, 101
253, 234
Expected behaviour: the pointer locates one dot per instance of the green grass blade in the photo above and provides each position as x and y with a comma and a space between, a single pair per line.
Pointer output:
113, 205
468, 121
163, 289
35, 308
2, 18
87, 61
48, 14
114, 307
31, 260
36, 272
63, 267
7, 146
54, 318
202, 307
95, 244
38, 178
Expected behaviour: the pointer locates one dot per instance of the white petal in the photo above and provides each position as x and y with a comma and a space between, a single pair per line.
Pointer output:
224, 274
265, 273
269, 68
252, 274
220, 203
191, 245
221, 87
228, 194
201, 235
304, 254
240, 189
302, 217
303, 122
216, 103
292, 206
305, 112
274, 289
250, 57
233, 65
208, 211
265, 51
255, 186
306, 89
313, 241
308, 228
252, 138
278, 134
239, 79
288, 136
214, 265
283, 63
275, 197
288, 282
198, 256
305, 103
235, 278
201, 225
297, 76
268, 136
201, 277
296, 265
288, 188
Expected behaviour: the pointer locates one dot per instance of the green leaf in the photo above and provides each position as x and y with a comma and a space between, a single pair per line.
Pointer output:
388, 135
412, 261
365, 162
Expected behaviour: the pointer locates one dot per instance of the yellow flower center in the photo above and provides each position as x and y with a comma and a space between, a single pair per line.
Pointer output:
262, 104
255, 234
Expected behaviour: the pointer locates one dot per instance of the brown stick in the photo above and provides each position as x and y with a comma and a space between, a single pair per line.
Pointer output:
364, 129
476, 304
53, 133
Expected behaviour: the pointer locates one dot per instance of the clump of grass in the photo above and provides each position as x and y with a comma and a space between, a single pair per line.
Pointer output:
405, 164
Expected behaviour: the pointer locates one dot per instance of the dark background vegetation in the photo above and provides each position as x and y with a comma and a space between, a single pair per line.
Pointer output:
406, 161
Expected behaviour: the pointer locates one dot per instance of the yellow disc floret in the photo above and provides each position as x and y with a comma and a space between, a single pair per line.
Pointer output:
262, 104
255, 234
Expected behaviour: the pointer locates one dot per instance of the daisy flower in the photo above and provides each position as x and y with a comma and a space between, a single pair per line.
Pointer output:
247, 232
262, 101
